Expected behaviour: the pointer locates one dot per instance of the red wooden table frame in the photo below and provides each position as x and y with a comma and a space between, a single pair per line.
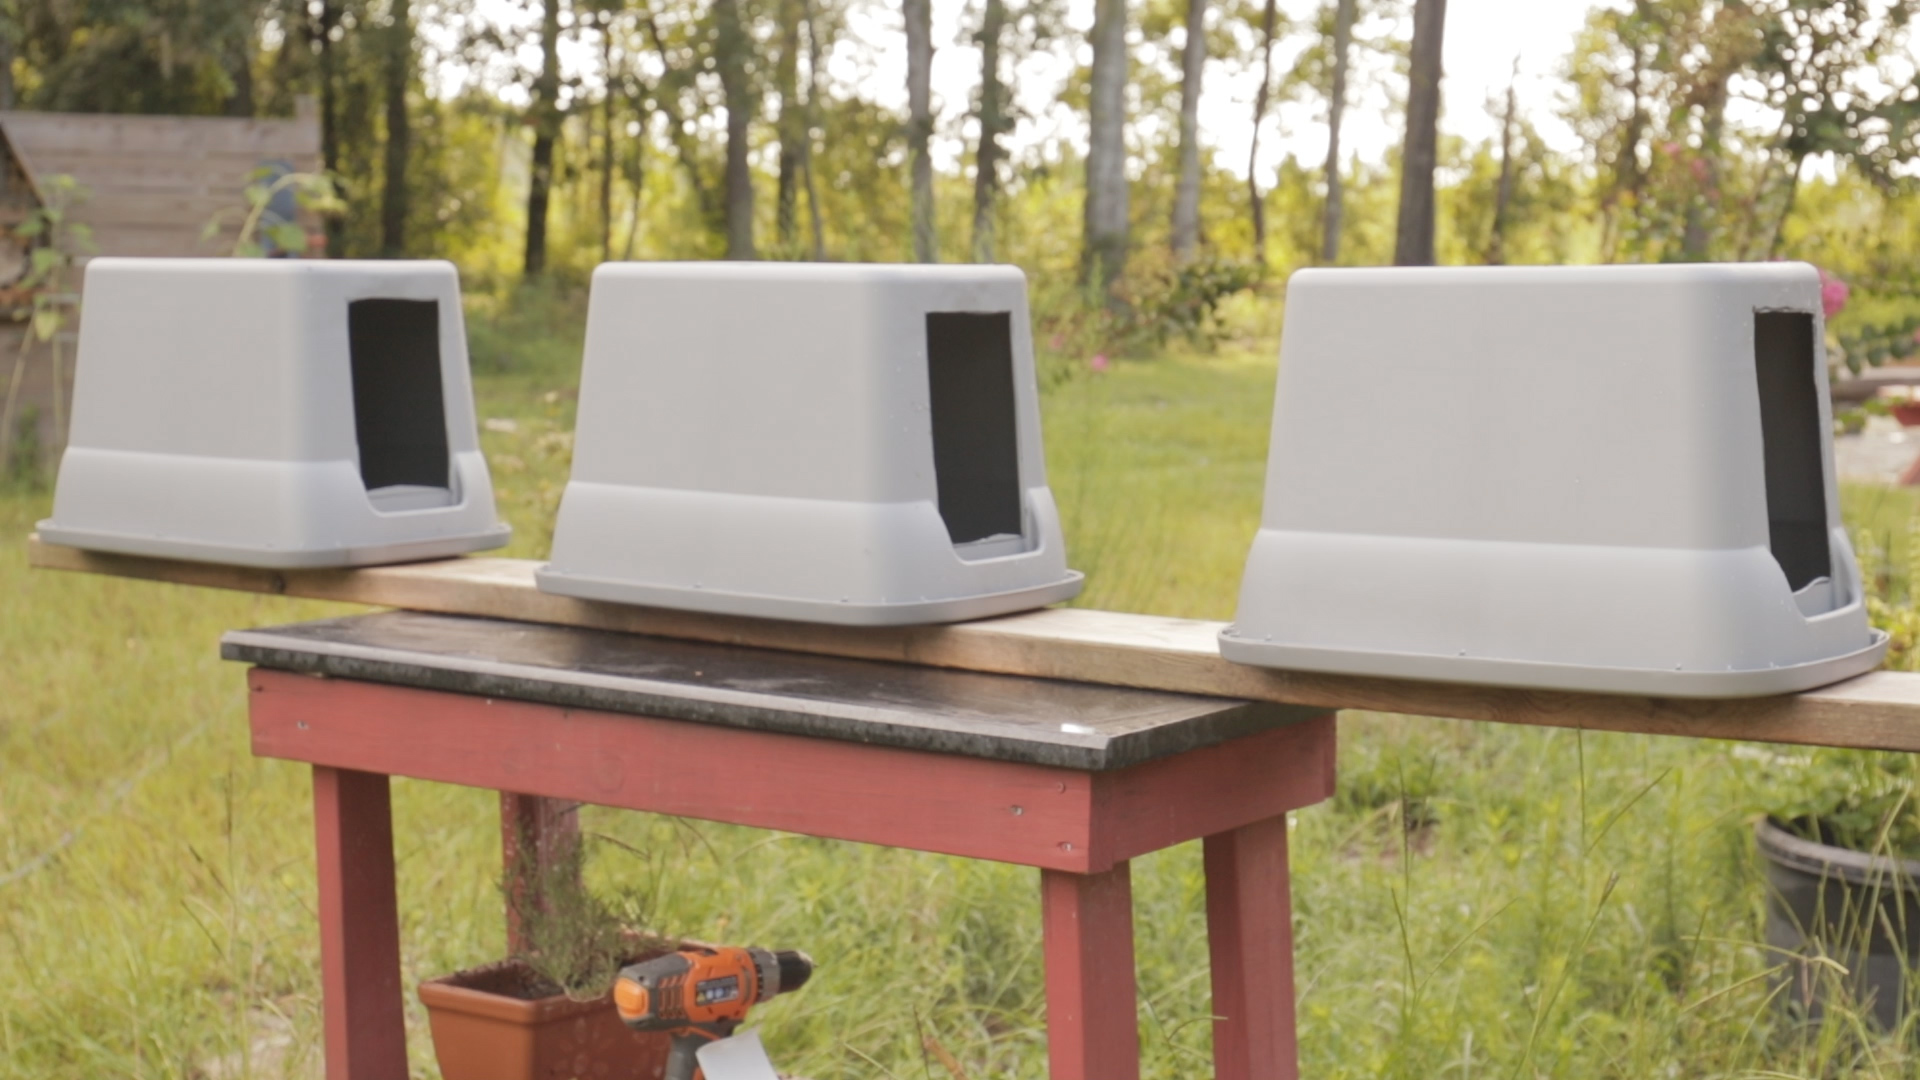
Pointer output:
1079, 828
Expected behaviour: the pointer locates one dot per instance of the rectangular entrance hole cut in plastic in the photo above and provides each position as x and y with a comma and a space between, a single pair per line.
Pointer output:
976, 446
399, 406
1791, 440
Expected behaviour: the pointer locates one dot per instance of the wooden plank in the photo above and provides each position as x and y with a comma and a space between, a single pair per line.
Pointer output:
1875, 711
1211, 790
34, 135
1033, 815
1250, 939
1093, 1026
1072, 725
364, 1028
218, 174
161, 213
161, 241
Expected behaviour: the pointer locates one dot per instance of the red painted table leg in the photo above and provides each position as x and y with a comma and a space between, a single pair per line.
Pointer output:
1250, 936
1093, 1028
366, 1035
536, 836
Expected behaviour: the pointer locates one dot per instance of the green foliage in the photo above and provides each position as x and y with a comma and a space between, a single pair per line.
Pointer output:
1549, 215
265, 229
55, 242
1853, 420
1889, 572
23, 457
529, 328
1164, 299
1160, 300
1884, 343
1857, 799
150, 56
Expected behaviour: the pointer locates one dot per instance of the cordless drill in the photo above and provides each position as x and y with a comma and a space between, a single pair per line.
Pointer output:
700, 994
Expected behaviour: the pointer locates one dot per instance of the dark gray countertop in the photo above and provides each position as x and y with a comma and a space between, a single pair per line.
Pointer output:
996, 717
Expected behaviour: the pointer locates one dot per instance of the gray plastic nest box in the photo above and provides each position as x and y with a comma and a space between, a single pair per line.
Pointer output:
1612, 479
839, 444
278, 413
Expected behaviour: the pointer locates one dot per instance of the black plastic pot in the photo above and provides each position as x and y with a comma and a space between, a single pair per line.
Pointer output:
1827, 903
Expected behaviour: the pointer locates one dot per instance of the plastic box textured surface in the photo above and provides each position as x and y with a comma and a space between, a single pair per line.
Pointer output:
842, 444
279, 413
1614, 479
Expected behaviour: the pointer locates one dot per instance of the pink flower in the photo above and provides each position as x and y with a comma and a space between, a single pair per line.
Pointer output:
1833, 294
1099, 362
1057, 342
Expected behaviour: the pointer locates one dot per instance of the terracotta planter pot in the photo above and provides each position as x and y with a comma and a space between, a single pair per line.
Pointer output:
486, 1027
1908, 413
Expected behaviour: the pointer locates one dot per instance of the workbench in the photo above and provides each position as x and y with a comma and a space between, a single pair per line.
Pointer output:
1880, 710
1070, 778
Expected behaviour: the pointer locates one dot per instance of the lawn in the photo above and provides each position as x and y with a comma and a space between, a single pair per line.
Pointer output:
1477, 901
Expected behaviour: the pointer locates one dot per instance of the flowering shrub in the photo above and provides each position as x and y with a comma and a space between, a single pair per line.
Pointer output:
1157, 300
1833, 293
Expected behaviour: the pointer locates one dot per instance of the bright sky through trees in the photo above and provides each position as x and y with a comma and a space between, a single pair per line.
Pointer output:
1483, 39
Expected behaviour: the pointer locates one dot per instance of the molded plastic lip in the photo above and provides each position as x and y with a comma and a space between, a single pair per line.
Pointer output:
1530, 674
438, 547
906, 613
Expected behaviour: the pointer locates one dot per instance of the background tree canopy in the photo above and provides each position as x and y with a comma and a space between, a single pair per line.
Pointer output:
1709, 129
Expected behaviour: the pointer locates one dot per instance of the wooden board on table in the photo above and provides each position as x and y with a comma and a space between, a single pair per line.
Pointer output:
1876, 711
1075, 725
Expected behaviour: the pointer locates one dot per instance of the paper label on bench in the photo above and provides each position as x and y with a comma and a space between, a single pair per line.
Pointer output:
738, 1058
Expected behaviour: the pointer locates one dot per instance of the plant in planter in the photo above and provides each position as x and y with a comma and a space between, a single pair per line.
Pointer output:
1841, 850
547, 1013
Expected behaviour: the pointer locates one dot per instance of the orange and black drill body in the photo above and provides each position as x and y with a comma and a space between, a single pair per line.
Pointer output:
700, 994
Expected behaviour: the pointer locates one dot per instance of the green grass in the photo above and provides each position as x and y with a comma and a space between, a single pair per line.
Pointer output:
1477, 901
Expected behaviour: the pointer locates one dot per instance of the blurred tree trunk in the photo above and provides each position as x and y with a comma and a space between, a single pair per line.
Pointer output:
239, 64
666, 96
1636, 30
9, 36
1696, 242
1256, 201
1503, 194
993, 124
399, 72
1335, 210
546, 130
1786, 207
324, 20
1413, 242
637, 167
732, 52
792, 125
806, 144
920, 124
609, 78
1103, 253
1186, 195
1626, 161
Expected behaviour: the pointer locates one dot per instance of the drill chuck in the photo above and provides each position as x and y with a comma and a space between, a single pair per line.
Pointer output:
796, 968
